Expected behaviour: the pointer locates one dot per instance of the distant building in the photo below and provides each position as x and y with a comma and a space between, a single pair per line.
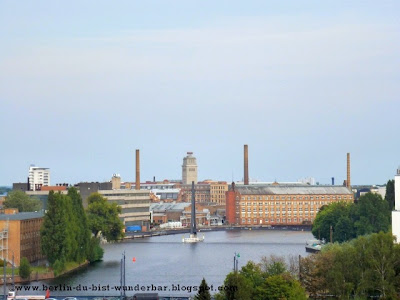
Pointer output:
38, 177
202, 192
20, 234
280, 204
167, 212
87, 188
20, 186
43, 194
189, 169
135, 206
307, 180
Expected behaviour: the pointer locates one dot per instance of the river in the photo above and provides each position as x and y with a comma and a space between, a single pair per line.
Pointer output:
164, 261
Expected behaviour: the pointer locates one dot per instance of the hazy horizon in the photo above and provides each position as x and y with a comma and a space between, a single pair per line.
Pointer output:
84, 84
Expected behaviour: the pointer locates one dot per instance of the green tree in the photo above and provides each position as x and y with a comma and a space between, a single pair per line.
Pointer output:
372, 214
204, 291
81, 231
95, 252
236, 286
53, 232
103, 218
25, 268
329, 216
18, 199
389, 197
279, 287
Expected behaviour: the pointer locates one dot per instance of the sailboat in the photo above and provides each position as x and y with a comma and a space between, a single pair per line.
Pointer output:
193, 238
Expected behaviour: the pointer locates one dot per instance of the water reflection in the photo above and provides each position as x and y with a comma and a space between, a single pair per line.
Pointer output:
166, 261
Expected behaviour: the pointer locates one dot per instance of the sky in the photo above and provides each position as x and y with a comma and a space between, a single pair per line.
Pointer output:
85, 83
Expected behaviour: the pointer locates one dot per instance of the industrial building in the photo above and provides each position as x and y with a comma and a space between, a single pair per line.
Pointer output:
135, 205
20, 236
280, 204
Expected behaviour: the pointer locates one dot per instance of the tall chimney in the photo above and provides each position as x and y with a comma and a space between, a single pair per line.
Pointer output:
348, 185
137, 185
246, 165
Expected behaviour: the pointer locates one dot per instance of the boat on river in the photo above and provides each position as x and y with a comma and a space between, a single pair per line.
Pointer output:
313, 246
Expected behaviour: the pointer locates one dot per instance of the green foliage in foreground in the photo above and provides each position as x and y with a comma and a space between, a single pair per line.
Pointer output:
370, 214
25, 268
20, 200
204, 292
272, 279
366, 267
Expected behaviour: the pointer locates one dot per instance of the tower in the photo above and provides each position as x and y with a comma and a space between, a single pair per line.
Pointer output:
189, 169
396, 212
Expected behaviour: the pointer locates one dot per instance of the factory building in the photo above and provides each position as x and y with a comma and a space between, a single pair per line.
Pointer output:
281, 204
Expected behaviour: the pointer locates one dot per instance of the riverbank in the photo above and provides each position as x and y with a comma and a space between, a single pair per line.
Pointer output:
135, 235
39, 276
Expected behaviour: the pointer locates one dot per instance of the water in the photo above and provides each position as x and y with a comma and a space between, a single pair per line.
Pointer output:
165, 262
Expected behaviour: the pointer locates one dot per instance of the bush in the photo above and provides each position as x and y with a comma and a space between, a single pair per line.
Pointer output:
25, 268
58, 267
95, 250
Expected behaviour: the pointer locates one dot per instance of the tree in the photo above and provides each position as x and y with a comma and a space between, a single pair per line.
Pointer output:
103, 218
18, 199
204, 291
95, 252
24, 268
330, 216
53, 232
236, 286
372, 214
389, 197
278, 287
81, 231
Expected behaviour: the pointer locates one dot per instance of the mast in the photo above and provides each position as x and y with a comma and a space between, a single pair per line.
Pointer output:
193, 215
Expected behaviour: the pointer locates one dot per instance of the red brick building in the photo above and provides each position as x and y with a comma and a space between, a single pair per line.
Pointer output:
253, 205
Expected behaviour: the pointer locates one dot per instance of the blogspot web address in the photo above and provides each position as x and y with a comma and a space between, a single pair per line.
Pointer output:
125, 288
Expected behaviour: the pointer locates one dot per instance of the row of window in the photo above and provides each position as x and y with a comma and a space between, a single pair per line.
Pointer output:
277, 213
277, 209
272, 220
294, 197
284, 203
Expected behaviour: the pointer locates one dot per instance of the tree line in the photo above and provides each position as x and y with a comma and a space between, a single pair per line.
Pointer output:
364, 268
371, 214
71, 234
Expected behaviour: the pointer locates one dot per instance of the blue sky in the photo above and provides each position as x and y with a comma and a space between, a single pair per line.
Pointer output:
85, 83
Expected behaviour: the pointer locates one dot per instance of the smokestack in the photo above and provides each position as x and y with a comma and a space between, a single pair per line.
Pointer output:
246, 165
333, 180
137, 185
348, 185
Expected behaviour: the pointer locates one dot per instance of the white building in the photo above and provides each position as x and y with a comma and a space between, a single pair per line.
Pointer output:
396, 212
189, 169
38, 177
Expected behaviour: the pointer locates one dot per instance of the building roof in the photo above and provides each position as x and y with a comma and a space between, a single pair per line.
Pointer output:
291, 190
168, 206
22, 216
